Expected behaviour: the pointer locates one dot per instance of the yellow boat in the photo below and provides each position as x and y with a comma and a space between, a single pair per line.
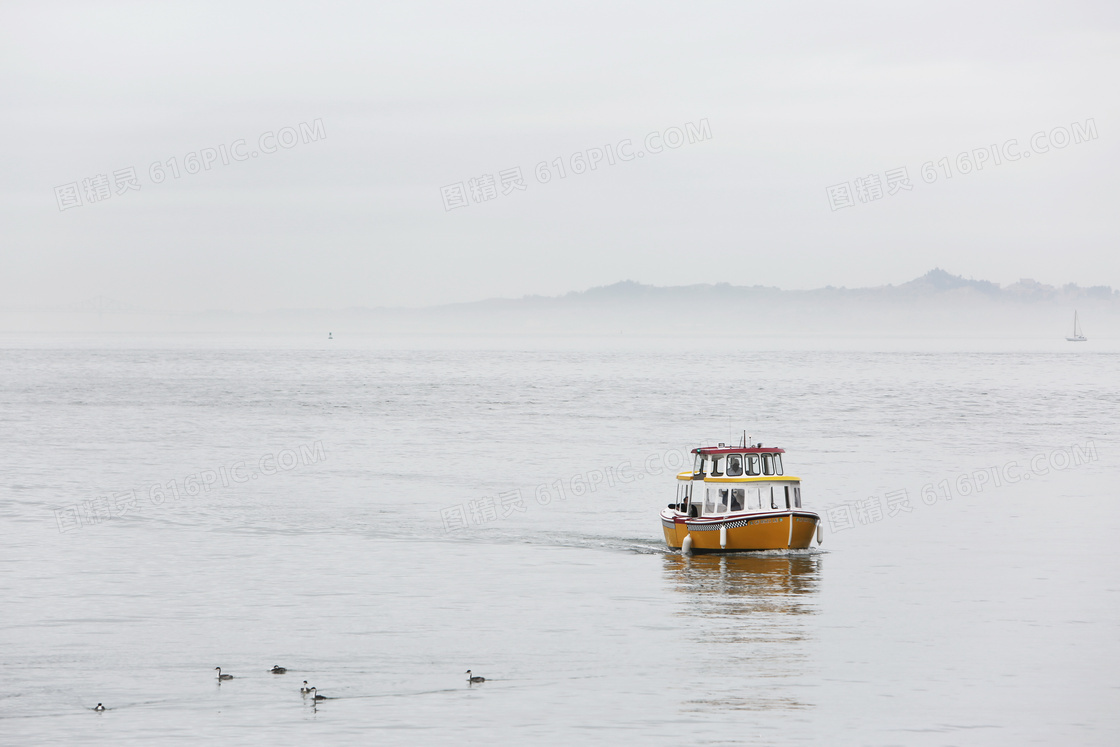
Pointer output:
738, 498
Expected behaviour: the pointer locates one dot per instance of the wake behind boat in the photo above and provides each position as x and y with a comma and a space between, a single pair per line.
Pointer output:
738, 498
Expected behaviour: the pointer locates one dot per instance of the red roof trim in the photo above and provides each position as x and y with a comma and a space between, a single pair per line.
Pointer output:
733, 450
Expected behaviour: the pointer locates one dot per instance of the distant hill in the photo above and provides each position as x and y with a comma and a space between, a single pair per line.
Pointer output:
936, 282
937, 304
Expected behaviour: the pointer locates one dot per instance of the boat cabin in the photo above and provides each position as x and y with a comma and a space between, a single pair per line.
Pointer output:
727, 480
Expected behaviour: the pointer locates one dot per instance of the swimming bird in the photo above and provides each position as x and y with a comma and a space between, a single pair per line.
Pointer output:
305, 689
223, 676
316, 696
277, 669
471, 678
99, 707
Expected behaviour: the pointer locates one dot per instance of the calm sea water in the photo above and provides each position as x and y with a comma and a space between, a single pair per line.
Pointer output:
380, 520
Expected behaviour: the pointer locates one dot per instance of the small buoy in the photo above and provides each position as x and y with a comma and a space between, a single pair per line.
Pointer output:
686, 546
723, 536
820, 533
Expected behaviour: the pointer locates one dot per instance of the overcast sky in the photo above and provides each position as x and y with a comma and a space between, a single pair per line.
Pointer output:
401, 103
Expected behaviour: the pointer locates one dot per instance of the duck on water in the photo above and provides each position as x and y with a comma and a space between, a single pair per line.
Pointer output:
222, 676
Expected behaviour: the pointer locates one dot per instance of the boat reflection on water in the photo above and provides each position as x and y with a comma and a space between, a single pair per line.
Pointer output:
754, 635
753, 581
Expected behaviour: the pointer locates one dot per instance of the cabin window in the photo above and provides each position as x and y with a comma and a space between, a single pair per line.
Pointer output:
738, 499
773, 498
715, 466
767, 464
797, 497
787, 496
750, 462
698, 465
734, 465
754, 498
721, 504
709, 504
778, 464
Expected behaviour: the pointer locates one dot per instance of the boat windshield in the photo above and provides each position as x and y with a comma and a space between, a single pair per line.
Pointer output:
738, 465
752, 465
734, 465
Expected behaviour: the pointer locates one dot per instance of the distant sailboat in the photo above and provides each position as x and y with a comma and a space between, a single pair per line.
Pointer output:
1077, 336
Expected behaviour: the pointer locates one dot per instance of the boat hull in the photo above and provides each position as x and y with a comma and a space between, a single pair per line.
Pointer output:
786, 530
